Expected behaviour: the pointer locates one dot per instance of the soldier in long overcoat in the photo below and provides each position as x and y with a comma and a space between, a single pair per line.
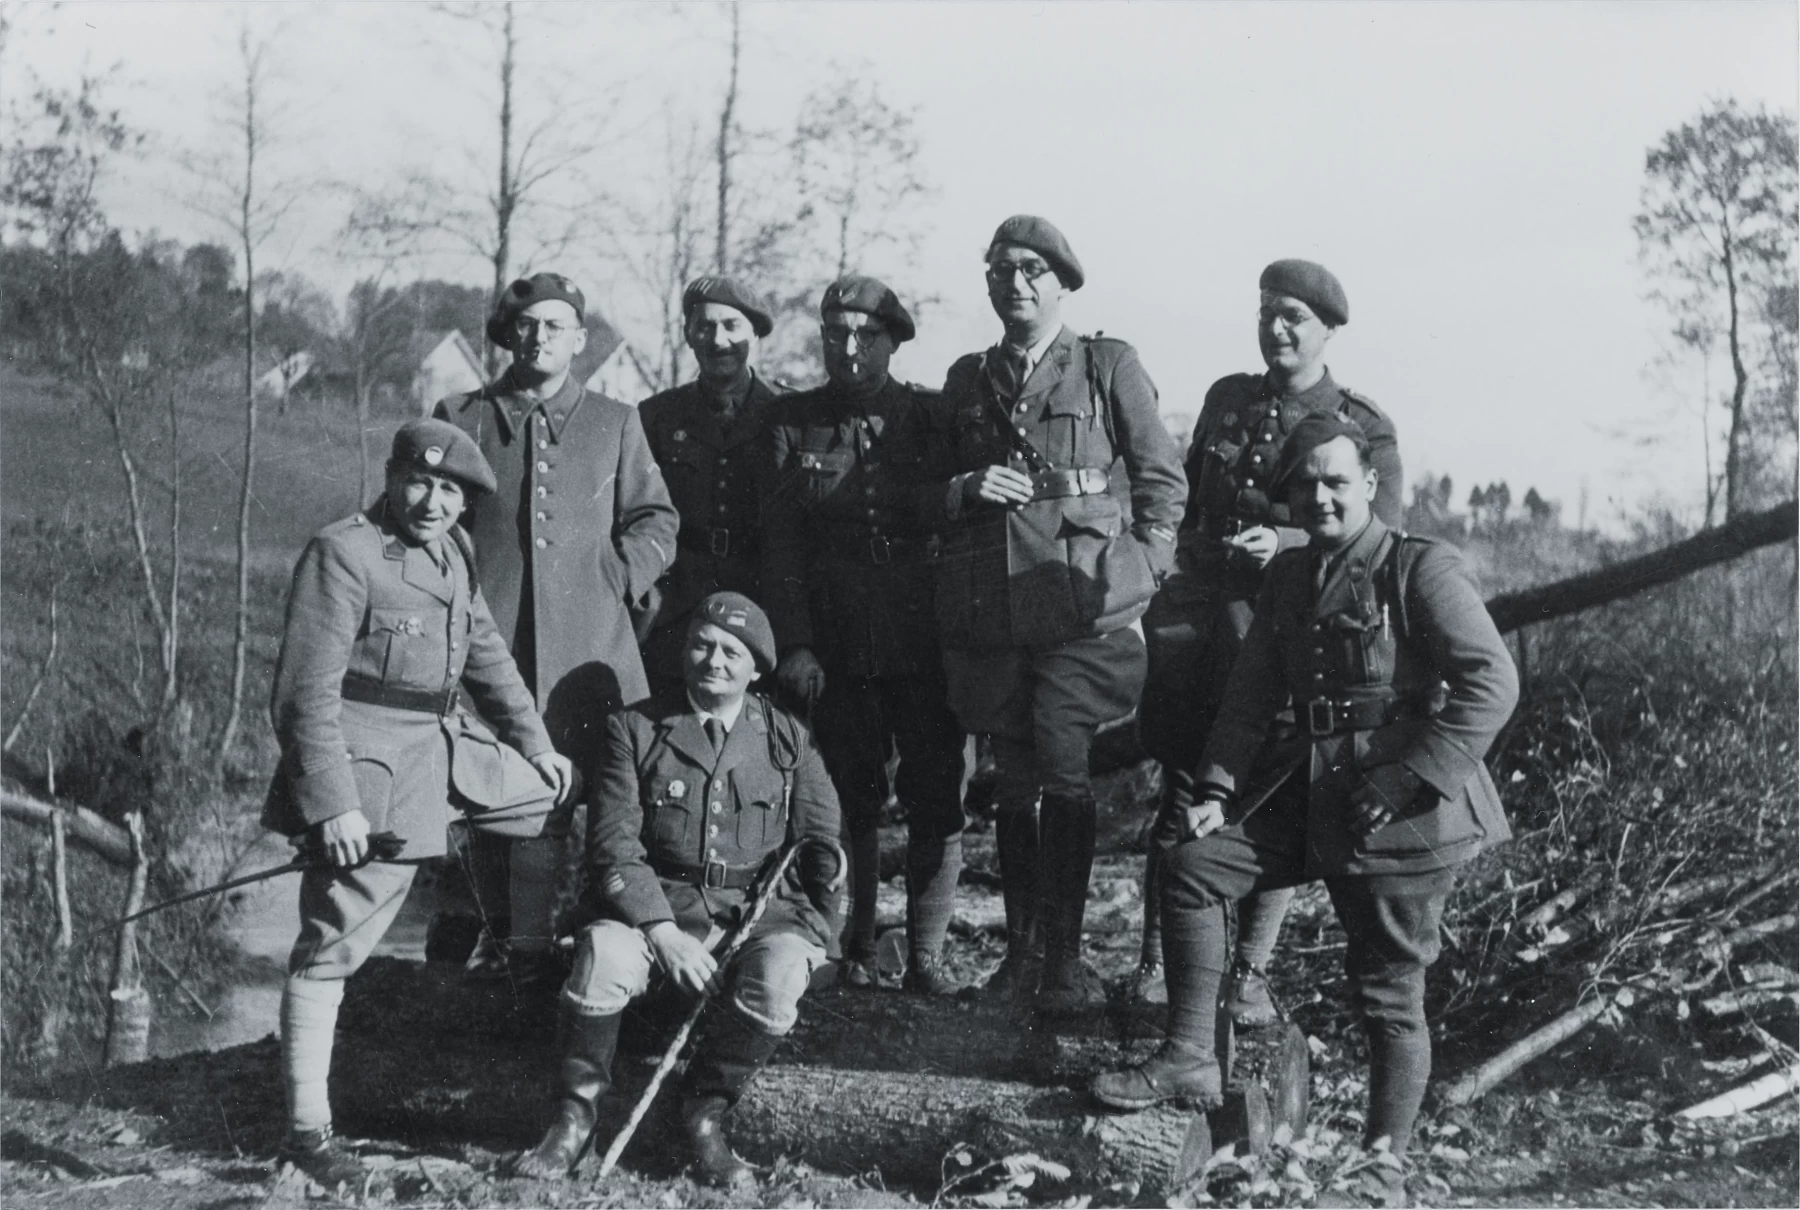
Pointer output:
1057, 529
571, 545
848, 583
1399, 683
385, 623
1233, 526
709, 437
696, 790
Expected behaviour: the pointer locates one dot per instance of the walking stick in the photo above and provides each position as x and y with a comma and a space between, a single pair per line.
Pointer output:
611, 1159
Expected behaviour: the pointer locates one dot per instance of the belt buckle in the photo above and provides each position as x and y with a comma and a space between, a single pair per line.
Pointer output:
719, 539
880, 553
710, 880
1321, 708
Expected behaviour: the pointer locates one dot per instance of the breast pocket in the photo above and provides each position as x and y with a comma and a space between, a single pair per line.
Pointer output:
760, 816
407, 647
820, 472
671, 815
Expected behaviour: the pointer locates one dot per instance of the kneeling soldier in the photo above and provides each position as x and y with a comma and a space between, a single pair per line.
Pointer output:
384, 623
1399, 683
692, 795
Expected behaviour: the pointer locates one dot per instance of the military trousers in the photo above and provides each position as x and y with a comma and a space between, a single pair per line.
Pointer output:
861, 722
766, 978
1042, 705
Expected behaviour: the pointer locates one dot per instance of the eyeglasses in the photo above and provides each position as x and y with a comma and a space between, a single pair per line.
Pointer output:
1001, 273
549, 327
836, 334
1288, 317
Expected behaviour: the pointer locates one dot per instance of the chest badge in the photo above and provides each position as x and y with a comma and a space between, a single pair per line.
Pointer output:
681, 434
1231, 419
677, 788
412, 626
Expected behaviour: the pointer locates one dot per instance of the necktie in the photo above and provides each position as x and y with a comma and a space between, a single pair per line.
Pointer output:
1015, 365
715, 731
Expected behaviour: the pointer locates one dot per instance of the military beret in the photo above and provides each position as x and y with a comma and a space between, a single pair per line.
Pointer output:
872, 297
744, 618
731, 293
527, 292
1312, 432
1314, 285
1042, 237
441, 448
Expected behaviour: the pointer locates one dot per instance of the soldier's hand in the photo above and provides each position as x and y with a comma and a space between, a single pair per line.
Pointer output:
1257, 544
1202, 818
344, 839
558, 773
801, 676
997, 485
688, 961
1373, 803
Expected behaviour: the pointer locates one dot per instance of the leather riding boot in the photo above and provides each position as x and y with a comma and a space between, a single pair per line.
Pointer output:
725, 1060
1016, 842
932, 867
582, 1078
1069, 986
862, 845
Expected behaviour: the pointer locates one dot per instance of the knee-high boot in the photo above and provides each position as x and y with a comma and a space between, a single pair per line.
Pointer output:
582, 1077
727, 1057
1067, 838
1016, 841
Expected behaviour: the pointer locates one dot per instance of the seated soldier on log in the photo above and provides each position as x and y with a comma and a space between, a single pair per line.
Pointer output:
385, 622
1400, 683
693, 793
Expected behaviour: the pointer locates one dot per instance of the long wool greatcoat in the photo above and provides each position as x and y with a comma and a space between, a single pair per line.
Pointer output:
569, 547
366, 605
1417, 644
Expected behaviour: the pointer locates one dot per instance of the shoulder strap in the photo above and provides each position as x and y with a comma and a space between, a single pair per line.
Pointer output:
1029, 453
1102, 406
1407, 552
459, 537
784, 756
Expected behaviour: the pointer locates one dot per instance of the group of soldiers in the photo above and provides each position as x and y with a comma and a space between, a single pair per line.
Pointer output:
1022, 556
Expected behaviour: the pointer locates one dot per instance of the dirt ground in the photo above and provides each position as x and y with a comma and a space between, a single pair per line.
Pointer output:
437, 1082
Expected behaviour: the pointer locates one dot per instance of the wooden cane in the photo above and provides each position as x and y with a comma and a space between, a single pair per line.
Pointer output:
611, 1159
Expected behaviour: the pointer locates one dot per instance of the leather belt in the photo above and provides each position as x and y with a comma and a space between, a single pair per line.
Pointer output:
1055, 485
372, 692
866, 547
714, 540
1321, 716
713, 876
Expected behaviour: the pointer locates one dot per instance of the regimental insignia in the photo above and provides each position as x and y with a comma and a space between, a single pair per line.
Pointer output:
681, 434
677, 788
615, 883
1231, 418
412, 626
433, 455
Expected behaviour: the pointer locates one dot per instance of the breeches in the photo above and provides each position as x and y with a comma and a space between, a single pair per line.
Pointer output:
1391, 920
1042, 705
344, 914
861, 721
764, 982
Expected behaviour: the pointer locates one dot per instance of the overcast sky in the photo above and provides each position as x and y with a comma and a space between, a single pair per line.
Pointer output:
1470, 171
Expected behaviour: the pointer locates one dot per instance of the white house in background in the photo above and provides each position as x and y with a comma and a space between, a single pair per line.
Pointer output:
280, 379
447, 366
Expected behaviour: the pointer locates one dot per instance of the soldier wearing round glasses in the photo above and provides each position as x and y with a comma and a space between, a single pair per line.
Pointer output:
571, 545
1233, 527
1057, 529
847, 581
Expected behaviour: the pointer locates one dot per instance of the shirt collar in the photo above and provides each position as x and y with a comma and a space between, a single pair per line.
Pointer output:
1036, 352
728, 716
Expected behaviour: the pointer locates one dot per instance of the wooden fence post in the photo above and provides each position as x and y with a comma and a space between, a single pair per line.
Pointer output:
128, 1006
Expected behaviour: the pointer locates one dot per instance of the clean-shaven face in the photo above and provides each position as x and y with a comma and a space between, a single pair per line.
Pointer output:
1331, 493
424, 506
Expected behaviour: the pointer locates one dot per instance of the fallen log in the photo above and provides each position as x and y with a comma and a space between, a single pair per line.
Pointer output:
1746, 1097
1533, 1045
107, 839
1737, 537
904, 1125
1729, 1004
1762, 928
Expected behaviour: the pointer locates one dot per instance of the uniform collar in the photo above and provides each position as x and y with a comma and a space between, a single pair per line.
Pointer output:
418, 566
1350, 565
1047, 360
684, 729
559, 410
709, 425
1320, 395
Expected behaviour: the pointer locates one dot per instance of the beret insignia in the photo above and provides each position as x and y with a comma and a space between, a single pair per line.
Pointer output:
433, 455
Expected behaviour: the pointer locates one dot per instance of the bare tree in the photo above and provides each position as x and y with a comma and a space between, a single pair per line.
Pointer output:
1716, 230
856, 165
113, 323
726, 149
252, 209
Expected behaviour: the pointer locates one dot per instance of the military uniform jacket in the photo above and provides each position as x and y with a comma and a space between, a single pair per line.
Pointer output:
1397, 632
846, 568
1085, 557
575, 538
1237, 441
713, 468
661, 800
365, 605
